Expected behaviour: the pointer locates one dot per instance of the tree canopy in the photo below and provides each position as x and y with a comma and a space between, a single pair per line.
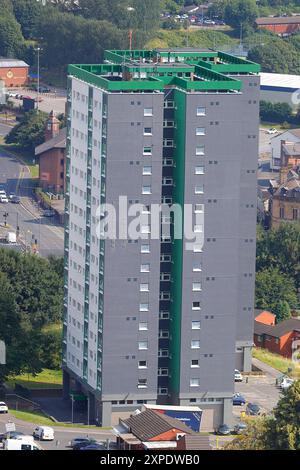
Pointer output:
29, 132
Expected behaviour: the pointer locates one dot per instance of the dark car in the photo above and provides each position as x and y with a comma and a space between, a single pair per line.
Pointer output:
80, 445
10, 435
223, 430
252, 409
93, 447
15, 200
238, 400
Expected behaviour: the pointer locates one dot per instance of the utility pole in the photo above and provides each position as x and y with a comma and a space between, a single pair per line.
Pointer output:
38, 50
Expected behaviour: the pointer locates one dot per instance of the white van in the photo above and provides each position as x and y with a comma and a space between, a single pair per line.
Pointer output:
21, 444
43, 433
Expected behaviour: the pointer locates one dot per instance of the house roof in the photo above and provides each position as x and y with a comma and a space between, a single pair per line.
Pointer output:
282, 328
290, 188
149, 424
292, 148
59, 142
258, 312
278, 20
196, 442
8, 63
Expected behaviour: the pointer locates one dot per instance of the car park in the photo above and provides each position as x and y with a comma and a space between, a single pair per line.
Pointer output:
238, 400
252, 409
223, 430
238, 376
3, 407
43, 433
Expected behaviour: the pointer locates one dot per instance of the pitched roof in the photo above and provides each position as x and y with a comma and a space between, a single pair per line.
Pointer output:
59, 142
282, 328
196, 442
149, 424
278, 20
7, 63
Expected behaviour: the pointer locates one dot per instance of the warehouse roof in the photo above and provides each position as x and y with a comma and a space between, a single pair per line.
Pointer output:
278, 20
4, 63
279, 80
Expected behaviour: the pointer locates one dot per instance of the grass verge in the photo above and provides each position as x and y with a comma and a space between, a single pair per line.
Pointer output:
39, 418
46, 379
278, 362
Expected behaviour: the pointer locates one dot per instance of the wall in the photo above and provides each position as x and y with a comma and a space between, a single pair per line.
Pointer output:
20, 76
288, 205
50, 169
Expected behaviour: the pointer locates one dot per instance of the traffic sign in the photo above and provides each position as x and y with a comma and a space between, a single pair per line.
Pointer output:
10, 427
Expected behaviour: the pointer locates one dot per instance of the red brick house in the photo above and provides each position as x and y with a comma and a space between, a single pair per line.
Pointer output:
149, 430
13, 72
52, 159
280, 338
283, 26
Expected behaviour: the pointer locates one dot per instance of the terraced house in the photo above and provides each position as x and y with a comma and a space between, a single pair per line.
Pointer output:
148, 320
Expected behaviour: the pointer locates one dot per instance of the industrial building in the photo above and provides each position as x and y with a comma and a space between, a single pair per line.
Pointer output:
160, 320
13, 72
280, 88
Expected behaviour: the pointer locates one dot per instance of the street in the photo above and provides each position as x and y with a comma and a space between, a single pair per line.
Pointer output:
62, 435
15, 177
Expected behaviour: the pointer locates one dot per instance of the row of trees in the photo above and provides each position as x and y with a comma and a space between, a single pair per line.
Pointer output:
277, 112
278, 269
31, 297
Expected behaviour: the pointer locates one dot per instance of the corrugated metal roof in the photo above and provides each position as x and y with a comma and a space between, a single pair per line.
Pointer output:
4, 63
278, 20
280, 80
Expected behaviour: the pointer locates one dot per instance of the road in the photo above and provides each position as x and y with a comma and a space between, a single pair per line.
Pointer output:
16, 179
62, 435
4, 129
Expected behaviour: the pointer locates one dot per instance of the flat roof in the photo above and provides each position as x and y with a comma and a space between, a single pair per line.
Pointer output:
280, 80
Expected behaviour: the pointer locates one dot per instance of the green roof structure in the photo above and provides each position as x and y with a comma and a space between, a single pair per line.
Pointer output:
188, 69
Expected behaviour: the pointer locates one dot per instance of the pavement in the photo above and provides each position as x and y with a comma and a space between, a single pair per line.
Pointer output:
55, 101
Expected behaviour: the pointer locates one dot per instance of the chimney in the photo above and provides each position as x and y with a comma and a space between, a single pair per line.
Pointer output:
52, 127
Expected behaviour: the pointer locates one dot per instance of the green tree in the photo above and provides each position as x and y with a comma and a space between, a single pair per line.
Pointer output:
256, 437
282, 311
27, 13
273, 287
11, 39
276, 56
286, 425
236, 12
29, 132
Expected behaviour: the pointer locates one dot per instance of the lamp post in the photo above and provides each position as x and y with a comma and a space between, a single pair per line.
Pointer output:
38, 50
130, 9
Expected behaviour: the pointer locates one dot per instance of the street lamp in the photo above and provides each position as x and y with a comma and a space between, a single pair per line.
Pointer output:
130, 9
38, 50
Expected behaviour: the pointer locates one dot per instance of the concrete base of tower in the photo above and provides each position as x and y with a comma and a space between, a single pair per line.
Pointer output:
244, 356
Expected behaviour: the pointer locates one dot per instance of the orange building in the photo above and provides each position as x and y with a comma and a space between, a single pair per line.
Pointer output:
265, 317
282, 338
283, 26
13, 72
52, 157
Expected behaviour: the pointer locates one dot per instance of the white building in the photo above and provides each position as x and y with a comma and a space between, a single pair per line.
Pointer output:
280, 88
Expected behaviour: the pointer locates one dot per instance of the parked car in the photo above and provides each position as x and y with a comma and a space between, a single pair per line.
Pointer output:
238, 400
3, 407
93, 447
240, 428
11, 435
238, 376
15, 199
252, 409
286, 383
21, 444
223, 430
272, 131
48, 213
3, 199
82, 444
81, 440
2, 192
43, 433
